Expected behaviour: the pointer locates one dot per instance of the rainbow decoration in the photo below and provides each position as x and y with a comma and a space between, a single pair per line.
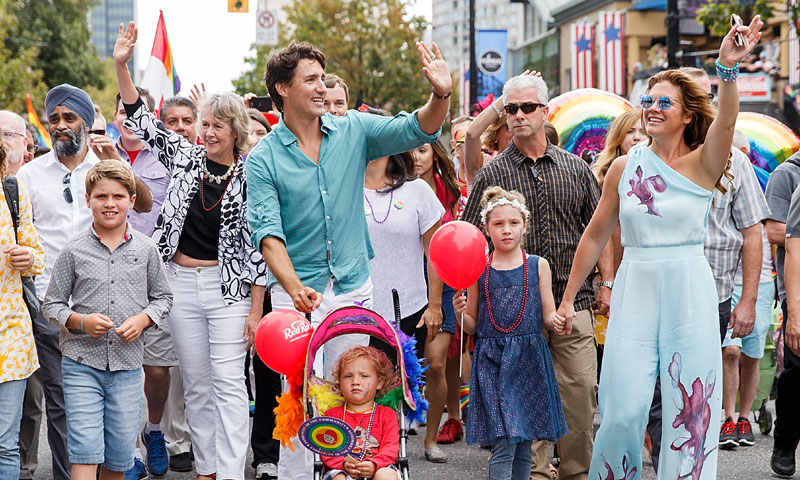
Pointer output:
327, 436
463, 398
582, 118
160, 77
771, 142
44, 135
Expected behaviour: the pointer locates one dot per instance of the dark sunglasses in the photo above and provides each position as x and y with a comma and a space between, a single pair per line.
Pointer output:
67, 192
98, 132
663, 102
512, 108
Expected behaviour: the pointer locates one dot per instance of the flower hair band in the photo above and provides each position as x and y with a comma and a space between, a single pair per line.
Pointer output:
504, 201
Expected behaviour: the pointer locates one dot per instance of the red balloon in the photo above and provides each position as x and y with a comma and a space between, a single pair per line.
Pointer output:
458, 253
282, 339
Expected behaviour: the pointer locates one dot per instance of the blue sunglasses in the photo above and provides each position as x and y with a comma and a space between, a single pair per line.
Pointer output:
663, 102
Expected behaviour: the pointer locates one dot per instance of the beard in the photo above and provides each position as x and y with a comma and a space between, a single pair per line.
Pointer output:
71, 147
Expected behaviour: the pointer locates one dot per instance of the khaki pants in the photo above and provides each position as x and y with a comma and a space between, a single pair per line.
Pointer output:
575, 363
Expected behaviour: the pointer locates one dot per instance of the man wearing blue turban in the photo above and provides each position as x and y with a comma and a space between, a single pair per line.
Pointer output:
56, 183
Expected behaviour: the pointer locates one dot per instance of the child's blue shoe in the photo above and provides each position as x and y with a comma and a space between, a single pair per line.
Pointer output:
157, 457
137, 471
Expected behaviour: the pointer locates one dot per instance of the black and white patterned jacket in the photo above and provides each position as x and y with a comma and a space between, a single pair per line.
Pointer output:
240, 263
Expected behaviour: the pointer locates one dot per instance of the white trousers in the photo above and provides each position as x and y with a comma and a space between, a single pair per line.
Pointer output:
299, 464
207, 337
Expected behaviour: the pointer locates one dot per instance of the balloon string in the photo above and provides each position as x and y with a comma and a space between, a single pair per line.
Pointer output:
461, 350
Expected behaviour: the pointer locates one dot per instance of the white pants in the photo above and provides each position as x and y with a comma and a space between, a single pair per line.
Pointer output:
299, 464
207, 336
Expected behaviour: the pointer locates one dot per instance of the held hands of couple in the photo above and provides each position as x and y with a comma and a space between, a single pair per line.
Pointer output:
19, 258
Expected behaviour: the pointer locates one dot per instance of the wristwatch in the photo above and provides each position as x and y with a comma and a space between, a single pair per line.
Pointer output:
607, 284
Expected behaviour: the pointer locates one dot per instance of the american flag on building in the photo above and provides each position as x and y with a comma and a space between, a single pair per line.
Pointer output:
611, 67
582, 45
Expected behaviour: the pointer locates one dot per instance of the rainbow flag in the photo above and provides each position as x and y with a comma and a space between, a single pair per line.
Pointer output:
160, 77
44, 135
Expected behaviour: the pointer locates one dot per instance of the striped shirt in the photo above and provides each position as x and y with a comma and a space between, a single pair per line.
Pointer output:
561, 194
743, 206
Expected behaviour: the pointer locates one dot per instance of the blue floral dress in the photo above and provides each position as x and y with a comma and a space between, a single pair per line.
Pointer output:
513, 389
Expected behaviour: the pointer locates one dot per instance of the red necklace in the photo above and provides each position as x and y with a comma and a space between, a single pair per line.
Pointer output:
202, 195
524, 294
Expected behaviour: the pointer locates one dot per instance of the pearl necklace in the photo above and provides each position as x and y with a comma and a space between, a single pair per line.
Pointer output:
524, 294
369, 429
217, 178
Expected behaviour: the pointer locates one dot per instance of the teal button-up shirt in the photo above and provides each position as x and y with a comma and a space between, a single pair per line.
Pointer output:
317, 210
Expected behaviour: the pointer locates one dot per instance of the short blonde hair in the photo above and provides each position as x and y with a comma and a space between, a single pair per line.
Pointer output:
112, 170
229, 108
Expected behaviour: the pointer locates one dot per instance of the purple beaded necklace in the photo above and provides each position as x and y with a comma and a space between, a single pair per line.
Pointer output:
388, 210
369, 429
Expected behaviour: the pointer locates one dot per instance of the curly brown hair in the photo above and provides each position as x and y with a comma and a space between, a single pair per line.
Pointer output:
383, 366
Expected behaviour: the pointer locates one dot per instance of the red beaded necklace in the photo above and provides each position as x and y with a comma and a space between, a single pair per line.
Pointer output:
524, 294
202, 195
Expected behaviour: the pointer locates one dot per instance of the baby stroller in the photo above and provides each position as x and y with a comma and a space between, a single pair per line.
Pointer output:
318, 395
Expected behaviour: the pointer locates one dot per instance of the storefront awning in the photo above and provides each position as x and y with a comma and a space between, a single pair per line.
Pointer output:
660, 5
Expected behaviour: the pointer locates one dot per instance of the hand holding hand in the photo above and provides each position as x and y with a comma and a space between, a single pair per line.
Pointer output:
96, 324
566, 311
306, 300
126, 40
20, 258
730, 52
559, 324
133, 327
435, 68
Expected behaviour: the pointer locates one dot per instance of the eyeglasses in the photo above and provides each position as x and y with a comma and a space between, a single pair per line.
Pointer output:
663, 102
67, 192
512, 108
32, 149
98, 132
8, 135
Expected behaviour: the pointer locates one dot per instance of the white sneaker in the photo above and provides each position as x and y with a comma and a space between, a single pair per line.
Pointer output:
266, 471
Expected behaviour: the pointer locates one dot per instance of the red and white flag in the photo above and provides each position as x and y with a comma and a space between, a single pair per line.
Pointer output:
611, 67
582, 47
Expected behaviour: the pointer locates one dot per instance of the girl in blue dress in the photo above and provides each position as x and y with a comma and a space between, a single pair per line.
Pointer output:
664, 315
514, 395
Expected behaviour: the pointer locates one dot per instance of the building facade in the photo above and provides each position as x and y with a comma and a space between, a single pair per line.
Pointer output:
104, 21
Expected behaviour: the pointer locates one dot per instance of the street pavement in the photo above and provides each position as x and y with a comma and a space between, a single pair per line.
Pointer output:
467, 462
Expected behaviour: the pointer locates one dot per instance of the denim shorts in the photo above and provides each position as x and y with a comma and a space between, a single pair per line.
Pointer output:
103, 412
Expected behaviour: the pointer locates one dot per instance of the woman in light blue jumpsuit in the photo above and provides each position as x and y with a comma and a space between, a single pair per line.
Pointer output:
664, 316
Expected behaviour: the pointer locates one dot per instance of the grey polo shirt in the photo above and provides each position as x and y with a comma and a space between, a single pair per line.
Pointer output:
782, 183
89, 278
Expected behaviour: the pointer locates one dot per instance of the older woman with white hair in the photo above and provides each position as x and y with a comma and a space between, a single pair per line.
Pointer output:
217, 277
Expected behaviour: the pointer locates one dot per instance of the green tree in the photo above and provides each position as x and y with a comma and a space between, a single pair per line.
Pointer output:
369, 43
19, 74
60, 28
716, 15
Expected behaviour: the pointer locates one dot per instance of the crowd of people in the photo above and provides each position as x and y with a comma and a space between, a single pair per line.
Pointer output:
141, 267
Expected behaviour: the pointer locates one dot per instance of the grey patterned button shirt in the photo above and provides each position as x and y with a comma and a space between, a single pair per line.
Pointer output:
90, 278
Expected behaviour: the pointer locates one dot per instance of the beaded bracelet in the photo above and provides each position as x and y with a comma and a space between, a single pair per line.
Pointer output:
727, 74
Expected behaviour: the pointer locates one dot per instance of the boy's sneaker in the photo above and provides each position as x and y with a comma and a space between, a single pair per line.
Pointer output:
744, 433
728, 439
157, 458
266, 471
137, 471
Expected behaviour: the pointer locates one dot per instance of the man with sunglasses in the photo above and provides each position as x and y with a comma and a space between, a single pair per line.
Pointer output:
562, 194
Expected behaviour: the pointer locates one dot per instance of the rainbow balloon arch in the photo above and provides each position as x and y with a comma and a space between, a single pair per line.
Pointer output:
771, 142
582, 118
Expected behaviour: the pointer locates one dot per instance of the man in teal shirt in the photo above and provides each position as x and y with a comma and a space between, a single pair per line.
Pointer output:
305, 190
